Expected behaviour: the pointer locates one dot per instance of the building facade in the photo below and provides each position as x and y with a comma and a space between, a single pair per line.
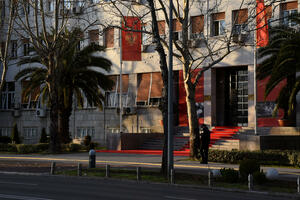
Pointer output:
224, 95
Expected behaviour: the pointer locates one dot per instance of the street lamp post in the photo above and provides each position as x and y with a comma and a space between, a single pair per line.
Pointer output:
170, 95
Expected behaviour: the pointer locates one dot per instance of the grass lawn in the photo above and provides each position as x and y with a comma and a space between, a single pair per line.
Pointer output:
150, 175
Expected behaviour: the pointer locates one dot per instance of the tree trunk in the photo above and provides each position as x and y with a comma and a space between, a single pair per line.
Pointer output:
54, 137
193, 120
164, 72
54, 106
65, 111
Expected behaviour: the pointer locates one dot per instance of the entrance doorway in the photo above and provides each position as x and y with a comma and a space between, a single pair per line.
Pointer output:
232, 96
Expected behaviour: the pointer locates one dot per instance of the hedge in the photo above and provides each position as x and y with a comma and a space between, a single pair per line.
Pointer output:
266, 157
38, 148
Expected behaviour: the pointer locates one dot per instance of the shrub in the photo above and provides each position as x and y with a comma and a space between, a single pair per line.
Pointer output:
25, 148
5, 139
8, 148
87, 140
74, 147
248, 167
41, 147
259, 177
43, 138
15, 135
229, 175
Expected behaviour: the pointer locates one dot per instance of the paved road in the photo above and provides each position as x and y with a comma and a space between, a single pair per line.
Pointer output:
64, 188
153, 161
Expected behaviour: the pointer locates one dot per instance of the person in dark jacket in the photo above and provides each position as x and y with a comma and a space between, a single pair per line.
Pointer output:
205, 140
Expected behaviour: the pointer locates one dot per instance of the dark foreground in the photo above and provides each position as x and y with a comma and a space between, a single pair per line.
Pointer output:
34, 187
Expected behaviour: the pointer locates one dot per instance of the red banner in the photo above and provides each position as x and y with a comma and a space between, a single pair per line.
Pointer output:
262, 35
131, 40
199, 98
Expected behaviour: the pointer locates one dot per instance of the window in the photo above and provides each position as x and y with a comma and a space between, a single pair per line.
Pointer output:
67, 4
14, 48
2, 47
8, 96
218, 24
161, 28
109, 37
26, 6
288, 9
113, 130
177, 30
269, 15
50, 5
30, 133
79, 3
95, 1
5, 131
2, 9
149, 89
31, 101
94, 36
197, 26
145, 130
25, 47
145, 36
81, 42
84, 131
113, 96
240, 20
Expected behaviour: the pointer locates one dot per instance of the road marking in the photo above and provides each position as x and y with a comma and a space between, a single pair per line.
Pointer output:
171, 197
21, 197
15, 183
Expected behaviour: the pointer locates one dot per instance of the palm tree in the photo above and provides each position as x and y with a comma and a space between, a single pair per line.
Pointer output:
281, 61
79, 72
81, 75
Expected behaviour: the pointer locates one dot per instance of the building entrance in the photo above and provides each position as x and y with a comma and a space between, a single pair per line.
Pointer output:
232, 96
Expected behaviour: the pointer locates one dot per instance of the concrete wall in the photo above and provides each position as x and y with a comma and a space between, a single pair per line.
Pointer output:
284, 142
136, 140
280, 142
128, 141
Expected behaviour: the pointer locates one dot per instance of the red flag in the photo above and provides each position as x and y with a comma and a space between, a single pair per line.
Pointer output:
262, 35
131, 40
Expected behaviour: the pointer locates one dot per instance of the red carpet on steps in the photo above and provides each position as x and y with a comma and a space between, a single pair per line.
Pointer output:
217, 133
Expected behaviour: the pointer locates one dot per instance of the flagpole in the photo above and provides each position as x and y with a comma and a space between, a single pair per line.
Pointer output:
254, 71
254, 79
121, 72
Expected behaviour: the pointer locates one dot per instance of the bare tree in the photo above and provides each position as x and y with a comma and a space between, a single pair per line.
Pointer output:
8, 11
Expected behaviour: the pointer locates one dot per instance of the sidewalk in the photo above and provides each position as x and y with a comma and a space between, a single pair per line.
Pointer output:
181, 163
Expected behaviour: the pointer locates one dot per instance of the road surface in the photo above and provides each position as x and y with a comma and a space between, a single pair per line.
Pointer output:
63, 188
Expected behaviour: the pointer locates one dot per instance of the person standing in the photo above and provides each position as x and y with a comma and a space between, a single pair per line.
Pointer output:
204, 142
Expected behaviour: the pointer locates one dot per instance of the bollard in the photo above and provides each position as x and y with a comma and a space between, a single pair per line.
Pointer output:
138, 174
92, 158
107, 171
52, 170
250, 182
172, 176
79, 169
298, 184
210, 176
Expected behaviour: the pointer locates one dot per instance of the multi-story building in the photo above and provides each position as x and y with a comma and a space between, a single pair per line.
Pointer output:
224, 96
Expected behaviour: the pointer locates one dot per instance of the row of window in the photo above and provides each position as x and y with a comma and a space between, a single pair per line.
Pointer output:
148, 91
240, 20
32, 101
32, 132
49, 5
